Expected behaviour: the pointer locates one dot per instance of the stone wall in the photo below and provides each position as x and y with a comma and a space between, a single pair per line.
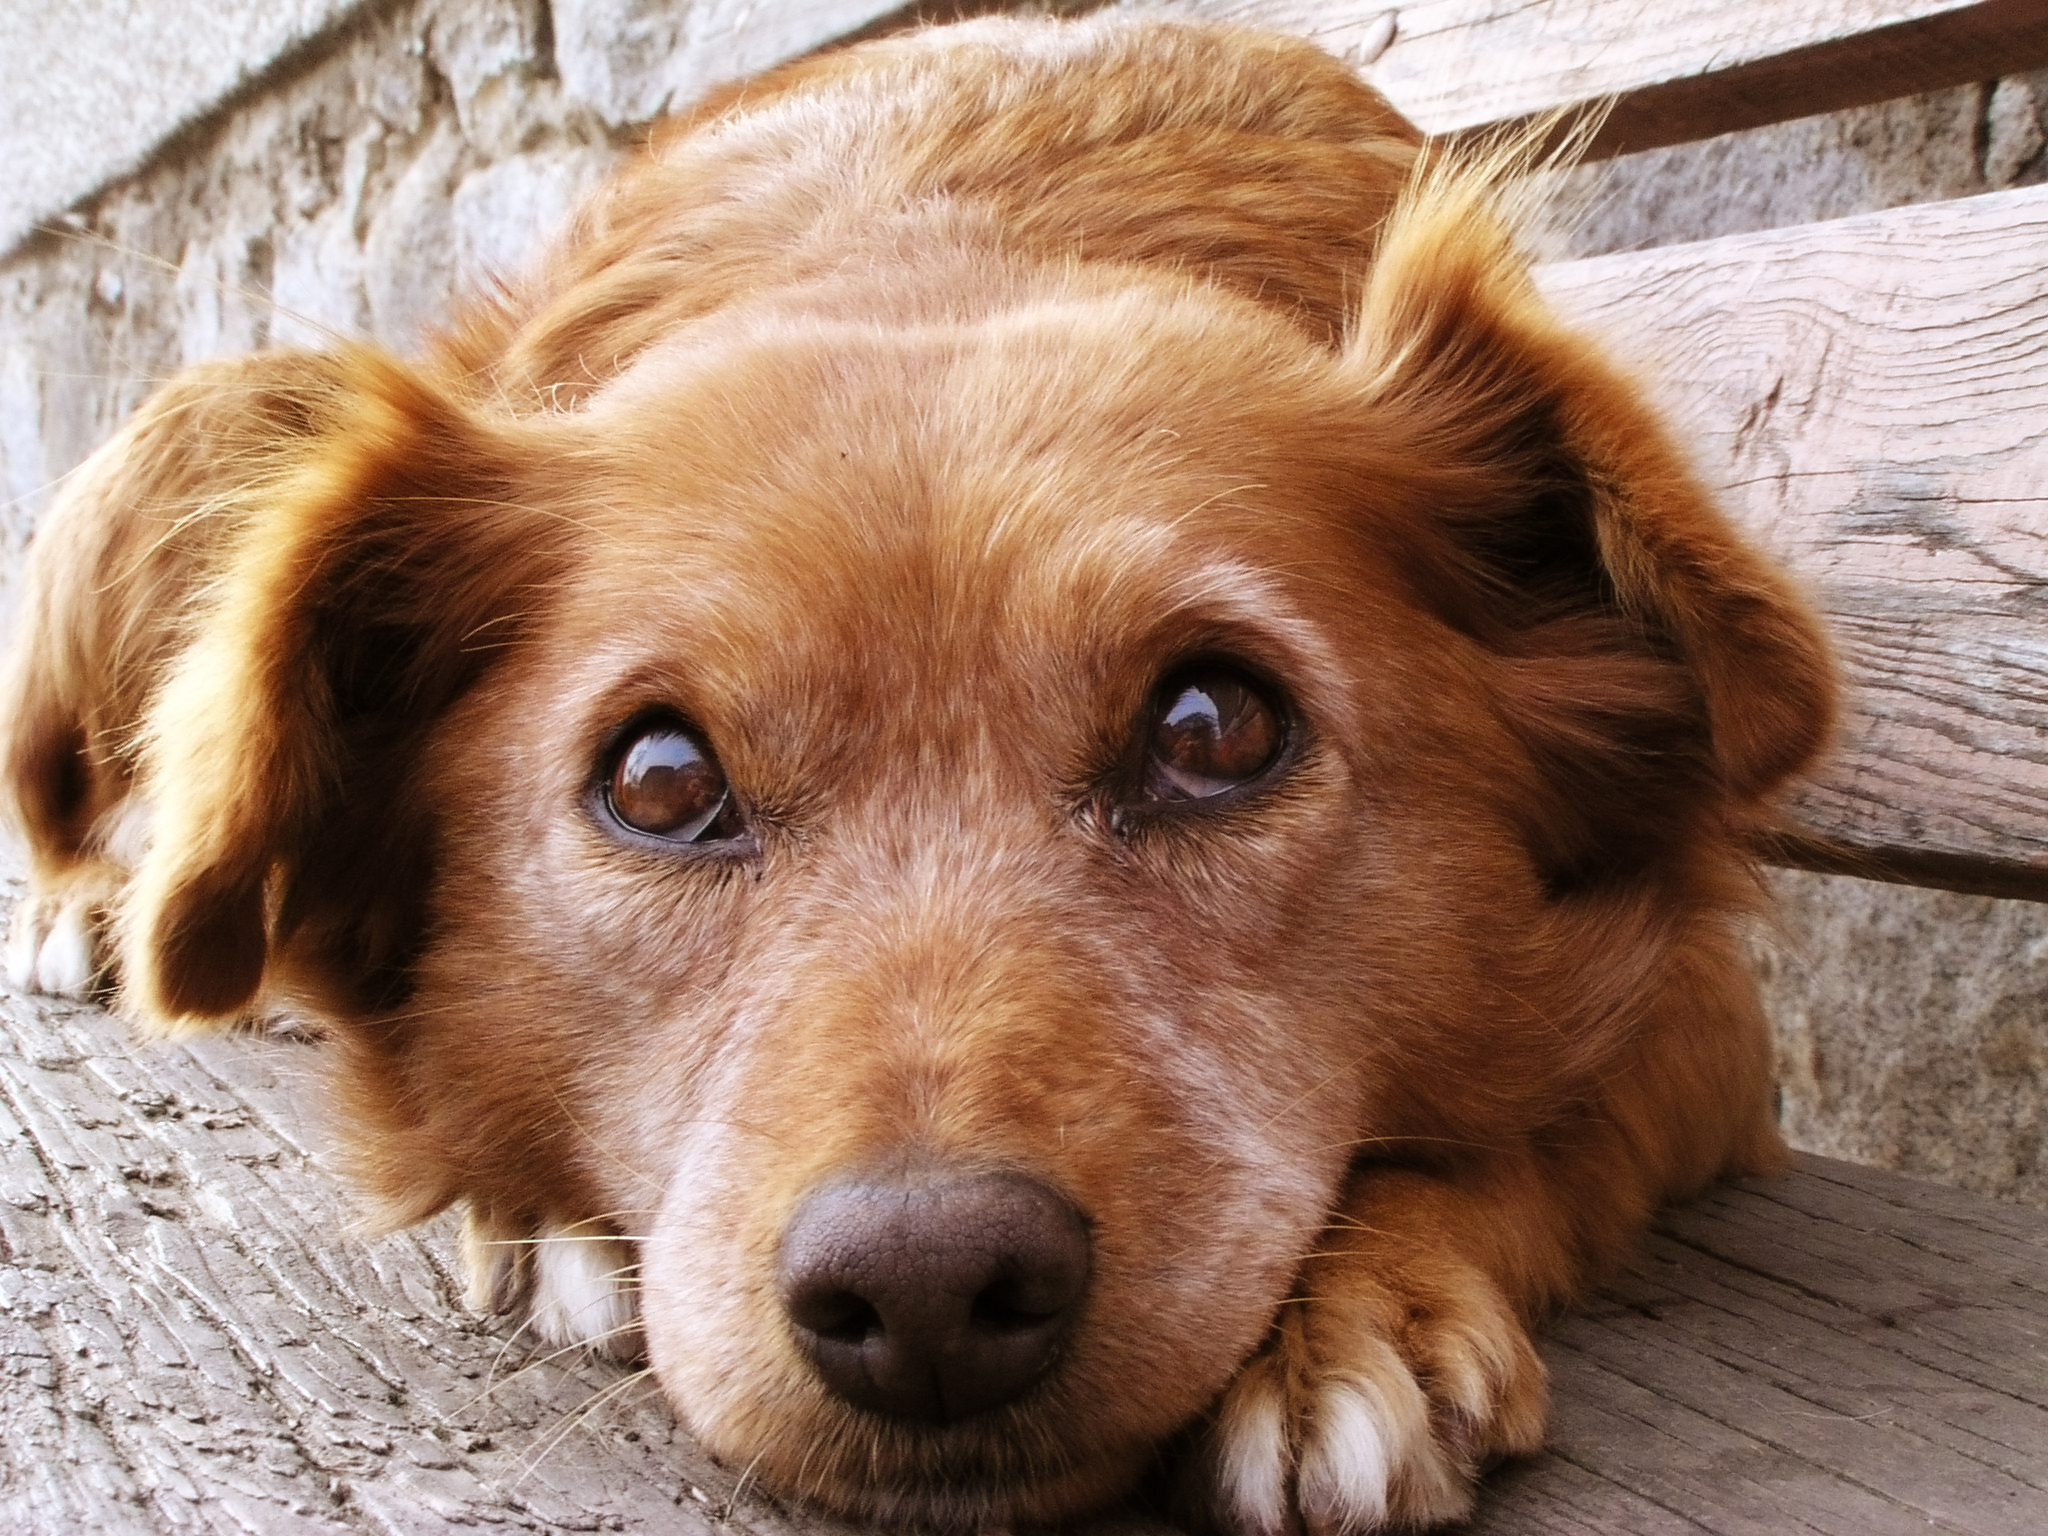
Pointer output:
251, 173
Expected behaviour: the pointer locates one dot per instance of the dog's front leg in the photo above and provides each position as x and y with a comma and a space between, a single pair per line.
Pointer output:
1403, 1365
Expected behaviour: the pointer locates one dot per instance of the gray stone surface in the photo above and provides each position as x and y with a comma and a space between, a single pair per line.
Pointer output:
427, 149
89, 88
1920, 149
632, 60
1910, 1030
428, 146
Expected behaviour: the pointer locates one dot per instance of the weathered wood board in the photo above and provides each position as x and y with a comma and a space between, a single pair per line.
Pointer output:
192, 1339
1839, 1350
1870, 397
1676, 70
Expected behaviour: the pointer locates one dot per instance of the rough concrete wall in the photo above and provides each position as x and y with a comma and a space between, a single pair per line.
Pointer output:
348, 198
420, 144
95, 86
416, 150
1919, 149
1910, 1030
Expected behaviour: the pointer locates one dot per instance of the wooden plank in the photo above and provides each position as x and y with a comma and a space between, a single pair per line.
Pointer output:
186, 1326
1870, 396
1841, 1350
1677, 69
190, 1338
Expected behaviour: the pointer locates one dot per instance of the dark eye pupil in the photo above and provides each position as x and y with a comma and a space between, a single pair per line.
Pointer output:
1215, 732
668, 785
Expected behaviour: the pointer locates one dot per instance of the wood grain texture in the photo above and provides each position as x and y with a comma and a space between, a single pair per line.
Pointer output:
1840, 1350
190, 1338
1870, 397
1677, 70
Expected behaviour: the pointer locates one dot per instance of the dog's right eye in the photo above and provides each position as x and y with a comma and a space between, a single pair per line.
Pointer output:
665, 783
1212, 730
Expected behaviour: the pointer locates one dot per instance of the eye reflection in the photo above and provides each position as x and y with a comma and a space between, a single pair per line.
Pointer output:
1212, 730
666, 784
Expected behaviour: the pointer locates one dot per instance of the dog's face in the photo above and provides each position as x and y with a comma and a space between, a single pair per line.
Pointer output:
1040, 776
958, 823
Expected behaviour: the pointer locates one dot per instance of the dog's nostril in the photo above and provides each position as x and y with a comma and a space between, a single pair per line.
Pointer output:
839, 1316
929, 1296
1022, 1301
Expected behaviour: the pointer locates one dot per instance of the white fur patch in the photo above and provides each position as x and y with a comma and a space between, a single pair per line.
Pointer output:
585, 1288
123, 835
1348, 1469
1371, 1453
51, 948
24, 938
64, 963
1252, 1457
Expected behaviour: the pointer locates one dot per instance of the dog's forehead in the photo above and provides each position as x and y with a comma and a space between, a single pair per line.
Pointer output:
1079, 488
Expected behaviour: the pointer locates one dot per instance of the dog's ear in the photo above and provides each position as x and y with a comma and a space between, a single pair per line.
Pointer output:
367, 585
1650, 659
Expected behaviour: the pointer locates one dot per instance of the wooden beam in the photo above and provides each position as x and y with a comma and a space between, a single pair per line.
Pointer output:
1676, 70
1870, 396
1949, 45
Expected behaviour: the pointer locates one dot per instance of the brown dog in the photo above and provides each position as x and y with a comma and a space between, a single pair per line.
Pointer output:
1023, 753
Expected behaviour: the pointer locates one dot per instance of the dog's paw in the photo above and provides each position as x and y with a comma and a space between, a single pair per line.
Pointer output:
578, 1285
57, 944
1375, 1405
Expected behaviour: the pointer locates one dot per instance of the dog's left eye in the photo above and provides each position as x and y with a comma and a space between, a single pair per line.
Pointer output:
666, 784
1212, 730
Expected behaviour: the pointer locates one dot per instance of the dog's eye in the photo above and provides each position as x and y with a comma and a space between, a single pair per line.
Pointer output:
1212, 730
667, 784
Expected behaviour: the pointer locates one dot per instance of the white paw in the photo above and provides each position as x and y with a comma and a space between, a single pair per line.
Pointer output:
579, 1284
53, 947
1339, 1428
586, 1289
1354, 1453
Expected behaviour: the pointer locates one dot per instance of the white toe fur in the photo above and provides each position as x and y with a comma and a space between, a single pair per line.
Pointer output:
1347, 1467
1356, 1453
1253, 1459
585, 1288
1371, 1453
64, 964
53, 947
23, 940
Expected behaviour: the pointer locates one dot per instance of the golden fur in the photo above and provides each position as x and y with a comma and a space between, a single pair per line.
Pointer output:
899, 422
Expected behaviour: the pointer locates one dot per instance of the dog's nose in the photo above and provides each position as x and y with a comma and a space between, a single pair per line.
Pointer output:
929, 1296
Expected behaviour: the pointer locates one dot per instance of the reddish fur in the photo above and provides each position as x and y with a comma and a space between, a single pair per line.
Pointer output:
900, 419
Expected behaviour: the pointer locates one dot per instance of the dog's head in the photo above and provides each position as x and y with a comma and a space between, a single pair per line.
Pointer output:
955, 834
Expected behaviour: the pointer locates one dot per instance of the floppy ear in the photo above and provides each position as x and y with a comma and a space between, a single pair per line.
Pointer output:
1656, 666
364, 590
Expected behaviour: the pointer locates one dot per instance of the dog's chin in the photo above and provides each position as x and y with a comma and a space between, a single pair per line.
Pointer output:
1023, 1464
